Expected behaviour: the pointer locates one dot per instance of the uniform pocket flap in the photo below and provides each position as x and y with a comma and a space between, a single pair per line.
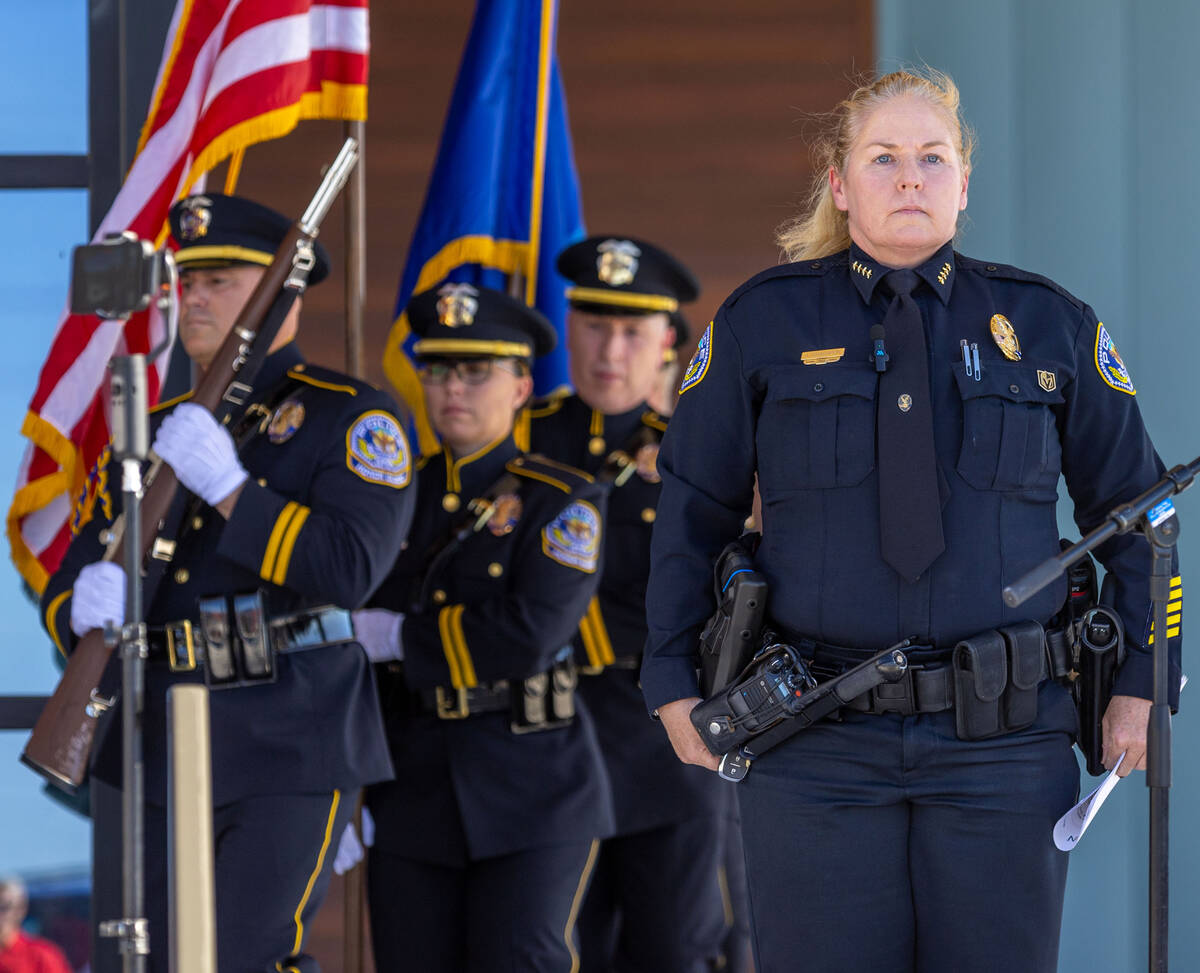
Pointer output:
1010, 380
983, 661
817, 383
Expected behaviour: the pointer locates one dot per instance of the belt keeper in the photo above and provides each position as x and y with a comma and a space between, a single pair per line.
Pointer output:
180, 636
452, 710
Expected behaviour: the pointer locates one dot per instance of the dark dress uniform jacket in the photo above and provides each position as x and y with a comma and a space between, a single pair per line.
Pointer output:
501, 606
751, 402
310, 531
651, 787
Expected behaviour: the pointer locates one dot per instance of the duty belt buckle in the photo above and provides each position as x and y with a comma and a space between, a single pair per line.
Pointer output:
181, 646
448, 709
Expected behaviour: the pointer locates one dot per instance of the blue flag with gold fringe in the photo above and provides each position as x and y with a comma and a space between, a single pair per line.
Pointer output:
504, 197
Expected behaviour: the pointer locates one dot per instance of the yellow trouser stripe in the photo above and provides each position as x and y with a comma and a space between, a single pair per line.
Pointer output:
312, 880
277, 532
51, 613
588, 635
603, 643
569, 931
460, 641
289, 542
448, 648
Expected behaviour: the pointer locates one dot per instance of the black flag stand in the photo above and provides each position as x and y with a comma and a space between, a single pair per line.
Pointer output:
1154, 515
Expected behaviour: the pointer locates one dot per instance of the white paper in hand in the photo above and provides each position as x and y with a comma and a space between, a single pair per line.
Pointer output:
1071, 826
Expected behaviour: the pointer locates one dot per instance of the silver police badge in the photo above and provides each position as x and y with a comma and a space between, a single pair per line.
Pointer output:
457, 305
195, 217
617, 263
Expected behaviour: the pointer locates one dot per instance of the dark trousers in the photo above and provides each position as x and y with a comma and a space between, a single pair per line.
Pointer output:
885, 843
737, 947
511, 914
656, 902
273, 858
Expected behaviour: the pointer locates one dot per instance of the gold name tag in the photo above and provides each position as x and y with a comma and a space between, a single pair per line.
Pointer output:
822, 356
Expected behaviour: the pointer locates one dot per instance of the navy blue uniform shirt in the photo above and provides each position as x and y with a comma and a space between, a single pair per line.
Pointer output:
783, 384
500, 607
319, 522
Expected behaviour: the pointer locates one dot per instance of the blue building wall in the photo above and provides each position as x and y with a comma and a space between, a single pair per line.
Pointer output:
1089, 147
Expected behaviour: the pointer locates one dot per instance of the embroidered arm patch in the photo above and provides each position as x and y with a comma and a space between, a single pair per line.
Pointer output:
377, 450
1109, 364
573, 537
698, 366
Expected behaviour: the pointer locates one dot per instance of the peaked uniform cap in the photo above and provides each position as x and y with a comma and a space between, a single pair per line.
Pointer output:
215, 230
465, 321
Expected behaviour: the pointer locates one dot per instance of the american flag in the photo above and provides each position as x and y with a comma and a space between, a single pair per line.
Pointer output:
234, 72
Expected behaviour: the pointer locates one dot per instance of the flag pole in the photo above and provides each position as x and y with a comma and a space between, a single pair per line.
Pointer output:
355, 290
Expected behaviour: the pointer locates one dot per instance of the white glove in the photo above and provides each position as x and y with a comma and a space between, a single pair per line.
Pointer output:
377, 630
350, 850
98, 597
201, 452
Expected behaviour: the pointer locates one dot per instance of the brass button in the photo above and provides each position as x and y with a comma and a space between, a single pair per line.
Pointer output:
182, 576
451, 502
596, 445
197, 523
495, 569
649, 514
439, 597
262, 481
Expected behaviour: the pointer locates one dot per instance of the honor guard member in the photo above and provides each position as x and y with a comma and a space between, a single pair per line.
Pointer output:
656, 900
298, 510
908, 411
486, 840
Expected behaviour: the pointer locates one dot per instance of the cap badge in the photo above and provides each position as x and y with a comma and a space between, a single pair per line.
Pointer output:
1005, 337
195, 217
457, 305
617, 263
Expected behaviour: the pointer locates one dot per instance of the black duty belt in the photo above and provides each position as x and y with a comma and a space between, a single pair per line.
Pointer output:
927, 685
181, 644
458, 704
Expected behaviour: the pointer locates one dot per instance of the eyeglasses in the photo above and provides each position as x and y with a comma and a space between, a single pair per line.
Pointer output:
470, 371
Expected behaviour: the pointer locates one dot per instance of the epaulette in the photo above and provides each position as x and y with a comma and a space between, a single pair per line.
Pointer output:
327, 378
547, 405
1008, 272
171, 402
558, 475
800, 268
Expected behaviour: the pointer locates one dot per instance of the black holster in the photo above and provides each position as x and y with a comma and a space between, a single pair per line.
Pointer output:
731, 636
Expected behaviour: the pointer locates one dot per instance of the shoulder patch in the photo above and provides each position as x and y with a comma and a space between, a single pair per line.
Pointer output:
698, 366
573, 537
377, 450
535, 466
1109, 363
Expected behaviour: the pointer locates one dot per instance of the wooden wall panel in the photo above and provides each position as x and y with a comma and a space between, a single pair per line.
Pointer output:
688, 126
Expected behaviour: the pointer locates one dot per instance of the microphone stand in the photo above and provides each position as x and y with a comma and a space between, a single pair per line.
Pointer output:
1153, 514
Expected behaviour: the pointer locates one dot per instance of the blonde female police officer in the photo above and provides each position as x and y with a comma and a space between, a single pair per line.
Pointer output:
897, 503
486, 840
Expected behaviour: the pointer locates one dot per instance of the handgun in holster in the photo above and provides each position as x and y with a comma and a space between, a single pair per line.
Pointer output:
1088, 653
732, 634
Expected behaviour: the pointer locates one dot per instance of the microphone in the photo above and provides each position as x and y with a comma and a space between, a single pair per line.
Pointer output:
878, 354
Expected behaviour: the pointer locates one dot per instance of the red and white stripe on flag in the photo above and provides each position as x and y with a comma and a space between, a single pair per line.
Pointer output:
234, 72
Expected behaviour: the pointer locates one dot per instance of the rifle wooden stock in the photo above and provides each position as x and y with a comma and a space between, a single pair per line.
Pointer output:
61, 743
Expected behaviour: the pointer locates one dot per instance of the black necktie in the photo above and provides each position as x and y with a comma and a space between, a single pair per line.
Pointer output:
910, 509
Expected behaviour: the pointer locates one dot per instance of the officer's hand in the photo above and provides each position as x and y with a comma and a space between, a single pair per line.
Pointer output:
377, 630
676, 718
1124, 727
201, 452
98, 597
